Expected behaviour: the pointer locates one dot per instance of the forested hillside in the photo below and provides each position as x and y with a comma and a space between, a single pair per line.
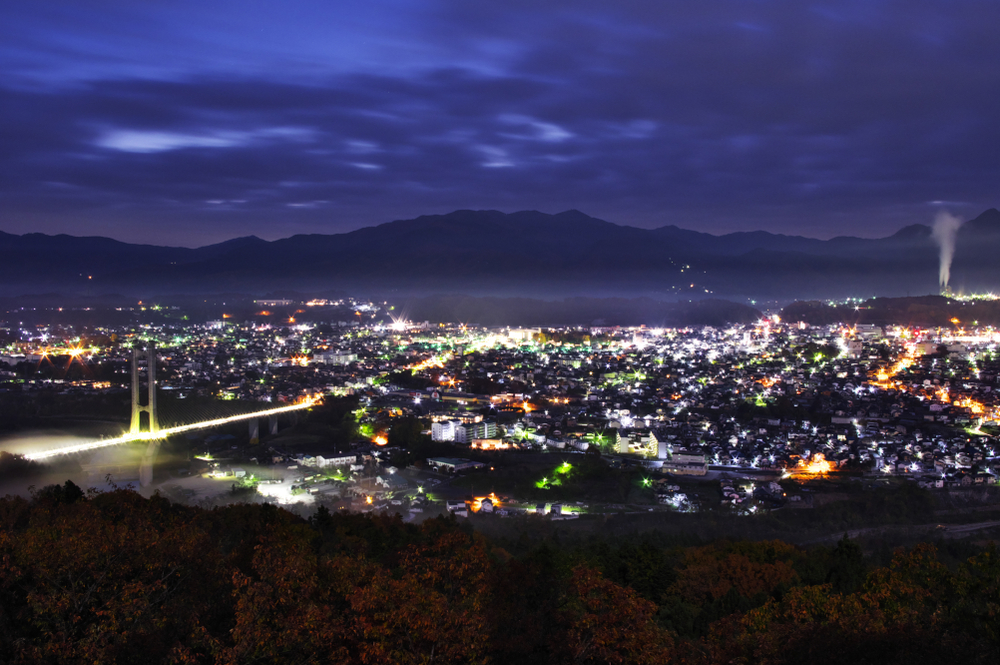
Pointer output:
116, 578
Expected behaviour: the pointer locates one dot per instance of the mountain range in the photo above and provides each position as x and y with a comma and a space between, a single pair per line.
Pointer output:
519, 254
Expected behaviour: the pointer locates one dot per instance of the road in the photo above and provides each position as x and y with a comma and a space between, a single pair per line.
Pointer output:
164, 432
941, 530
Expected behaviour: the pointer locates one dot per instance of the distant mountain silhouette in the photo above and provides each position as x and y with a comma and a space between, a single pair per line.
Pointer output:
987, 223
529, 254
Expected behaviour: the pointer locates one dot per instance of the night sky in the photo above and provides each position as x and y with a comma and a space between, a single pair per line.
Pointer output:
187, 123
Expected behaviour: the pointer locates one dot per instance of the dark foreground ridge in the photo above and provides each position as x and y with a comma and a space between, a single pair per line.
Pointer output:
115, 578
520, 254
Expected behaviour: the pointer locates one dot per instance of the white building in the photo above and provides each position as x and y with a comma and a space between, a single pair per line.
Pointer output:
324, 462
335, 358
443, 430
523, 334
468, 432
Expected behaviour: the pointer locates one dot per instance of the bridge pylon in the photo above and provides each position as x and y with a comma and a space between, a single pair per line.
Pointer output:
149, 355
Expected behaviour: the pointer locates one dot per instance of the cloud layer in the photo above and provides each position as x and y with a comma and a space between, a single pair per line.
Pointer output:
183, 124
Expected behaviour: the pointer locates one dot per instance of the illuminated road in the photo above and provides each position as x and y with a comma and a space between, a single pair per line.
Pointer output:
163, 433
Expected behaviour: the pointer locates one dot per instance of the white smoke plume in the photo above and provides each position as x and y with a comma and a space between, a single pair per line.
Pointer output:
944, 232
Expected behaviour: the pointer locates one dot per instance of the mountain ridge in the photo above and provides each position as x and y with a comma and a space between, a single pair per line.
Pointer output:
525, 252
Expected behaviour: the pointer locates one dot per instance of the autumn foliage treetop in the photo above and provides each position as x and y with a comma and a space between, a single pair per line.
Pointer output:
116, 578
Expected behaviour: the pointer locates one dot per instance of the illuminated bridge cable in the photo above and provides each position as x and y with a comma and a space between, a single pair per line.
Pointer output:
168, 431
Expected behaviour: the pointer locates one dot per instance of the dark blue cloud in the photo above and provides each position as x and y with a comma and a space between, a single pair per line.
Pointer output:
193, 122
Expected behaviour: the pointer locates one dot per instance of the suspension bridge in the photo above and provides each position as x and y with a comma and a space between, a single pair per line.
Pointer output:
153, 432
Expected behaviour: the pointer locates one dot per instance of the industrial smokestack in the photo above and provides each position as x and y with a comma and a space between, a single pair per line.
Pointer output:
945, 229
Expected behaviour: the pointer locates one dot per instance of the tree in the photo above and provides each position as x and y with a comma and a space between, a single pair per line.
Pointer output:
289, 608
847, 566
102, 580
433, 611
68, 492
604, 623
17, 466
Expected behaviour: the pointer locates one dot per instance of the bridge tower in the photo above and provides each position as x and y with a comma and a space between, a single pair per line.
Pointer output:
149, 355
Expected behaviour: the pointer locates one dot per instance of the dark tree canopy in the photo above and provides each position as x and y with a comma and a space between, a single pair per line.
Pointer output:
114, 577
